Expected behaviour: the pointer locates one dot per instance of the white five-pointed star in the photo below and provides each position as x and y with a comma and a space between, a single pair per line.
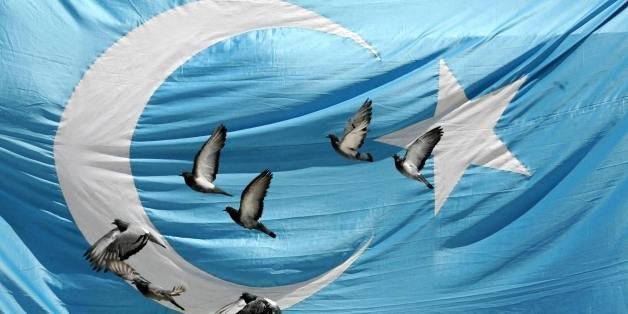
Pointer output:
468, 133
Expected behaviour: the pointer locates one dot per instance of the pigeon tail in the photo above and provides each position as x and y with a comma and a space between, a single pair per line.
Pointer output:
171, 299
424, 180
219, 191
365, 157
265, 230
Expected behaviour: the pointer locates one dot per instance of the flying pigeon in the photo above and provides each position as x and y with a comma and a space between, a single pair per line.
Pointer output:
155, 292
123, 270
149, 290
354, 134
252, 204
418, 152
252, 305
255, 305
119, 244
206, 163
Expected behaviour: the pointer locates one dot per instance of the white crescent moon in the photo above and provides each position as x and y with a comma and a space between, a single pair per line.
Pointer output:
92, 144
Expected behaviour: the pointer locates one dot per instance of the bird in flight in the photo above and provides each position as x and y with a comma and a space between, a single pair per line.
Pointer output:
148, 289
416, 155
354, 134
206, 163
119, 244
252, 305
252, 204
256, 305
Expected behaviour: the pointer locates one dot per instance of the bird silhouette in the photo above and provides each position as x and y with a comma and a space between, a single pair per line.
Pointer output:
119, 244
252, 305
252, 204
354, 134
418, 152
206, 163
144, 286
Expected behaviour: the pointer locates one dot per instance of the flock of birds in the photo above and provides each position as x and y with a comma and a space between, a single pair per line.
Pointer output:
126, 239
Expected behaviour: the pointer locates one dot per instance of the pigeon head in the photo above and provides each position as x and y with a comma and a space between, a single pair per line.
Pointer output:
122, 225
232, 211
247, 297
398, 160
333, 138
188, 177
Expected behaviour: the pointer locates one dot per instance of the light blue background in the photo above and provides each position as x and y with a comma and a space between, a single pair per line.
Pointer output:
552, 242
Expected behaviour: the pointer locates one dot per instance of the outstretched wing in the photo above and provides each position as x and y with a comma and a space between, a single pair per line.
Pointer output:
208, 158
95, 253
129, 242
239, 303
421, 149
252, 200
357, 127
259, 306
123, 270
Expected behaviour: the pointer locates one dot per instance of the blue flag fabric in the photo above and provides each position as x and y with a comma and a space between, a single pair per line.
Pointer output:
528, 212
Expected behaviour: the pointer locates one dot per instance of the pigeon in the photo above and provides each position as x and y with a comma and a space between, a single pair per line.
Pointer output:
255, 305
155, 292
206, 163
123, 270
149, 290
252, 204
354, 135
252, 305
119, 244
418, 152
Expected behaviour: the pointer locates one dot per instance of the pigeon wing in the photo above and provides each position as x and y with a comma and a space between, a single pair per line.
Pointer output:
95, 253
208, 158
129, 242
239, 303
123, 270
252, 200
357, 127
258, 306
421, 149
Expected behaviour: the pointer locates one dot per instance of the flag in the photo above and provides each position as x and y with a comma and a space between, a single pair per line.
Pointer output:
104, 104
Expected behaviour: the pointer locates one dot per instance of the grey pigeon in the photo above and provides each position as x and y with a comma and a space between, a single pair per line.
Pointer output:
354, 134
255, 305
252, 305
206, 163
418, 152
119, 244
155, 292
252, 204
123, 270
149, 290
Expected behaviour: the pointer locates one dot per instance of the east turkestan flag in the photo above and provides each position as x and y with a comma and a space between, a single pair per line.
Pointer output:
103, 104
